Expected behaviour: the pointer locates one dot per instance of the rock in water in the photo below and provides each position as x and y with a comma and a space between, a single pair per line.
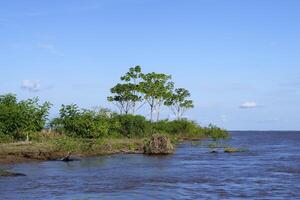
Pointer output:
67, 158
231, 150
158, 144
214, 151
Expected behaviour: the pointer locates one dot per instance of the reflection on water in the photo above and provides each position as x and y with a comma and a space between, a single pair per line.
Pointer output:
269, 170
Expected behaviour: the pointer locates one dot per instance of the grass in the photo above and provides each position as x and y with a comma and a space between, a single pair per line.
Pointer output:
48, 146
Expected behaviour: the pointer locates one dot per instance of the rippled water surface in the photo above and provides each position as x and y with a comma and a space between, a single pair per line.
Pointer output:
270, 169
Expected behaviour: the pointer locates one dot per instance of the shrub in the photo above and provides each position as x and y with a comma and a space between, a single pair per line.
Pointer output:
4, 138
181, 126
131, 125
20, 118
96, 124
84, 123
81, 123
216, 133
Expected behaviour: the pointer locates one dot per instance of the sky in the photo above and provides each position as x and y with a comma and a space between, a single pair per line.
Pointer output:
239, 59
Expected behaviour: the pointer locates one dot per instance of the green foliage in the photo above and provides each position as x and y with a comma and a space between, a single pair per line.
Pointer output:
134, 74
178, 127
132, 125
127, 95
178, 102
216, 133
156, 89
20, 118
92, 124
81, 122
4, 138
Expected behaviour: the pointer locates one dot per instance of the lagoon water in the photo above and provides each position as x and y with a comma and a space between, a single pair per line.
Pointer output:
270, 169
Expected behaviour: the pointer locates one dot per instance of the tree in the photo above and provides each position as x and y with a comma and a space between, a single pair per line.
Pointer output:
156, 89
127, 95
124, 97
23, 117
134, 76
178, 102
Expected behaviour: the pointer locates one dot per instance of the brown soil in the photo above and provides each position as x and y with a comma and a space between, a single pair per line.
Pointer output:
31, 152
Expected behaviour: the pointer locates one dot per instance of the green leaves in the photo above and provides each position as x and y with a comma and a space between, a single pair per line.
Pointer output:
178, 102
133, 74
127, 95
18, 118
155, 89
82, 122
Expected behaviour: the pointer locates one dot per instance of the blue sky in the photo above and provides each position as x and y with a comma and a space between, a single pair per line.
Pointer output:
239, 59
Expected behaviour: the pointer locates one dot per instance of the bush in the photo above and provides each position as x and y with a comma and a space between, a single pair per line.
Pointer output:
20, 118
131, 125
5, 138
216, 133
182, 126
82, 123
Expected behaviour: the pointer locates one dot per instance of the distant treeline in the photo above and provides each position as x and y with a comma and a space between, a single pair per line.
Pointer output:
20, 119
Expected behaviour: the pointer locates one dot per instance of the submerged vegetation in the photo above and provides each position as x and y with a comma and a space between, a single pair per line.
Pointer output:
102, 130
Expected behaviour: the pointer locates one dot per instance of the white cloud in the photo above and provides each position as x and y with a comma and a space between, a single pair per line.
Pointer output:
30, 85
248, 105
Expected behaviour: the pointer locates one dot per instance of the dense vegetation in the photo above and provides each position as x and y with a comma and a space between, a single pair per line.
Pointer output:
18, 119
104, 123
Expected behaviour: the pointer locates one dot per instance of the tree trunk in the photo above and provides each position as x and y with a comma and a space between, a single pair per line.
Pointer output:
151, 114
157, 119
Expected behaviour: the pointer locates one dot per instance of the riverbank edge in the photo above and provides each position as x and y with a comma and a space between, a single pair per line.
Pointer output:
23, 152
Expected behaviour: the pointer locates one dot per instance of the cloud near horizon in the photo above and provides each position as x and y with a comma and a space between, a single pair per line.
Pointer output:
31, 85
248, 105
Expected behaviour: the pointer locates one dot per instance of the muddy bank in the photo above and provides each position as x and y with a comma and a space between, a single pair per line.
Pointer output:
29, 152
5, 173
19, 152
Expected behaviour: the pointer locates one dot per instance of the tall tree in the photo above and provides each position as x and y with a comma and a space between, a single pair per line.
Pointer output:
127, 95
134, 77
156, 89
124, 97
178, 102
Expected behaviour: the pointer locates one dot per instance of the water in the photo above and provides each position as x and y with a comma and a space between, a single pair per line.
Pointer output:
270, 169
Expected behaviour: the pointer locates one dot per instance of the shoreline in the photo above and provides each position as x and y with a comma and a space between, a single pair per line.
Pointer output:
24, 152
